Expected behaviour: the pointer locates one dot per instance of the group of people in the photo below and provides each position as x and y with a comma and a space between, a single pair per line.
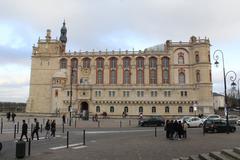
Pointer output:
175, 129
50, 128
9, 115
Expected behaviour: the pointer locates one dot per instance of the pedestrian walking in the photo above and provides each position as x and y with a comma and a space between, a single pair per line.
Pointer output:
175, 129
13, 116
53, 128
8, 116
64, 118
171, 130
24, 130
167, 129
35, 128
180, 130
47, 128
185, 126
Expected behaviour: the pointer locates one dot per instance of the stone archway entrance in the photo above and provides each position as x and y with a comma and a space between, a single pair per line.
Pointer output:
84, 109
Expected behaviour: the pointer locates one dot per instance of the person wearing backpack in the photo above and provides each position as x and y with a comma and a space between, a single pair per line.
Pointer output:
35, 128
47, 128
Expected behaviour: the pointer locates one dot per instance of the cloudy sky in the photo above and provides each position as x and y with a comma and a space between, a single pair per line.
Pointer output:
111, 24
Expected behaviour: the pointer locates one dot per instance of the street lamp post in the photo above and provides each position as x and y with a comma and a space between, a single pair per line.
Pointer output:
238, 96
70, 105
232, 78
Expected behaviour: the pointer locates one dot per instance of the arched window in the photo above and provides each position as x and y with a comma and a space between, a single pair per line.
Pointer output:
56, 93
180, 109
198, 78
74, 68
153, 109
86, 63
63, 63
180, 58
140, 109
113, 70
100, 70
126, 109
197, 57
111, 109
98, 109
140, 70
166, 109
126, 70
191, 109
165, 69
181, 78
153, 70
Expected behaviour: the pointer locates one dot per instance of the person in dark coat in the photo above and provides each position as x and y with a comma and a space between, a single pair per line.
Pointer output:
35, 128
13, 116
171, 130
53, 128
47, 128
8, 116
175, 129
167, 129
180, 130
24, 130
64, 118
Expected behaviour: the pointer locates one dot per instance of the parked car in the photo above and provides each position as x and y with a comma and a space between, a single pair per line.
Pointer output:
217, 125
211, 116
153, 121
194, 122
184, 118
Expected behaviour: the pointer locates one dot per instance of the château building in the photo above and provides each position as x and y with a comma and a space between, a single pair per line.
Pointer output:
170, 80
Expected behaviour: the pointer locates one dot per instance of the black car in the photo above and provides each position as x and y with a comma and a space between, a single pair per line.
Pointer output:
217, 125
153, 121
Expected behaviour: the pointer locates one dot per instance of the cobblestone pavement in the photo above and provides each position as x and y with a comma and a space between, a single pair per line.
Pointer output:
110, 142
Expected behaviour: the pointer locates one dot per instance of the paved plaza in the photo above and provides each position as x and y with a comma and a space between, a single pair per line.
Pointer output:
114, 139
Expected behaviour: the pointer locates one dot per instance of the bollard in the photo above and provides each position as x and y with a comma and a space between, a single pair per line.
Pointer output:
1, 125
75, 123
155, 131
98, 123
63, 128
41, 128
29, 146
15, 127
129, 122
67, 138
120, 124
84, 137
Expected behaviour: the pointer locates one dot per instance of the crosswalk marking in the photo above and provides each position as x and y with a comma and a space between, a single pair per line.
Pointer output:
79, 147
71, 145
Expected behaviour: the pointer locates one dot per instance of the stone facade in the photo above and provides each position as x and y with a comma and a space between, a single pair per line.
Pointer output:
163, 80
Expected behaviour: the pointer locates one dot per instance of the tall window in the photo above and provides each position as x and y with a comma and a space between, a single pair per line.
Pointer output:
153, 70
140, 70
191, 109
126, 70
100, 70
181, 78
154, 109
126, 109
98, 109
180, 109
198, 76
140, 109
111, 109
165, 70
74, 70
113, 70
86, 63
180, 58
166, 109
63, 63
197, 57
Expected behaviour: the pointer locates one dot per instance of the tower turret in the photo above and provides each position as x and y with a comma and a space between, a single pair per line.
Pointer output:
63, 37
